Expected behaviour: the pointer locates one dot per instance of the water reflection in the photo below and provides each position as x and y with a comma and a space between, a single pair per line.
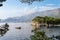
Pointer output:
3, 29
25, 32
33, 27
49, 31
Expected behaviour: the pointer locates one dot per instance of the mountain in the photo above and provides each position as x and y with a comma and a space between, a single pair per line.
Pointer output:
29, 17
58, 15
52, 13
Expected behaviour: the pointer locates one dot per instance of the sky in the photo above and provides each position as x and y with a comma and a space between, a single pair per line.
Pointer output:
14, 8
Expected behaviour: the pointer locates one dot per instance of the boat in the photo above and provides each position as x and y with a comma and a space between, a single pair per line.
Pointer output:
18, 27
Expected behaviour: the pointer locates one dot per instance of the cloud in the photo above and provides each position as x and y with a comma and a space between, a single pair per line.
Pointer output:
12, 12
50, 4
43, 8
4, 13
37, 9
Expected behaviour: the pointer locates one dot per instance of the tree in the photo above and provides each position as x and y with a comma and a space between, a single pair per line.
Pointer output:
38, 19
1, 2
46, 18
39, 36
29, 1
23, 1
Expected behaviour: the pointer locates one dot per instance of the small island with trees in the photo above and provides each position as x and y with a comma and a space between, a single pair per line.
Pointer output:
45, 21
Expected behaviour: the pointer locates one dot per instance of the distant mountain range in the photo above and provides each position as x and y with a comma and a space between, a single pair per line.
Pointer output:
28, 18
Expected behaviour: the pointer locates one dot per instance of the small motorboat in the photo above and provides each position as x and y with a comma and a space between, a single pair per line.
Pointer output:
18, 27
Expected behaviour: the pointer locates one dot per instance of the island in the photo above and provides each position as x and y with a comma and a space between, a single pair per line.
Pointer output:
45, 21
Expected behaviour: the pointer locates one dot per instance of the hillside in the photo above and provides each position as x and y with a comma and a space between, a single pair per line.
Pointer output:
28, 18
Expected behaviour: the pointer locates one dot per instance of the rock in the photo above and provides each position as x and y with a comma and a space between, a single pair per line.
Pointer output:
3, 29
4, 26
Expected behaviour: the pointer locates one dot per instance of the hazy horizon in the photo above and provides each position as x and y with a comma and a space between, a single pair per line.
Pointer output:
13, 8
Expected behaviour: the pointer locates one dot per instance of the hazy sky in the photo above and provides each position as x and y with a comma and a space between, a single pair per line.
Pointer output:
13, 8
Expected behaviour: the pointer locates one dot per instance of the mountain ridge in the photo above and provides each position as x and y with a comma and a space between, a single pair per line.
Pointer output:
29, 17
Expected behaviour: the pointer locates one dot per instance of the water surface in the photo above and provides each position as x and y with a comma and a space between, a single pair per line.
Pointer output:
25, 32
17, 34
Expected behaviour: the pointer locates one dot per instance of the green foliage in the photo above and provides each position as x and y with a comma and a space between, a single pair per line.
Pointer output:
39, 36
1, 1
23, 1
38, 19
29, 1
46, 19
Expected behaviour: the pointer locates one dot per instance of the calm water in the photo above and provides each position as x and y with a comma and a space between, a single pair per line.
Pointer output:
25, 32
